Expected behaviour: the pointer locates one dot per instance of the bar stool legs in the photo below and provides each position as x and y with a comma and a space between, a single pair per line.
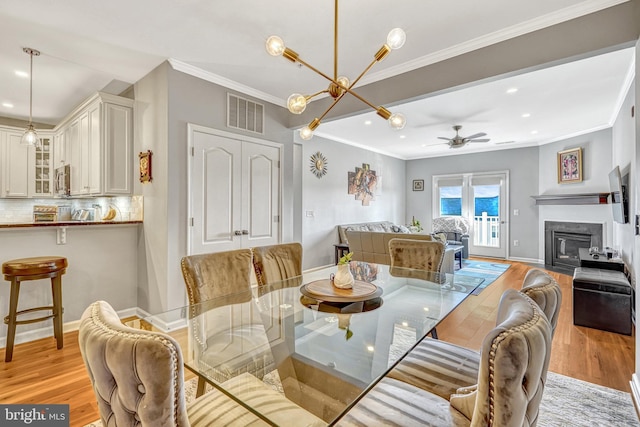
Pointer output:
20, 270
11, 319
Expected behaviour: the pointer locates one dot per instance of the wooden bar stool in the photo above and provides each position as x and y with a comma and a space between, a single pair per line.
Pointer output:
20, 270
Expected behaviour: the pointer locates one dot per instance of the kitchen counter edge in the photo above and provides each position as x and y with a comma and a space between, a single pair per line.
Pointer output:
65, 224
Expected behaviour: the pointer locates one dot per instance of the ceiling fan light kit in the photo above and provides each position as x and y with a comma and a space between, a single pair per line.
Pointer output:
339, 86
30, 137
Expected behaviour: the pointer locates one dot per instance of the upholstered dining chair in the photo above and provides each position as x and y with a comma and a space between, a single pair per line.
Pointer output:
416, 254
506, 392
213, 275
277, 262
221, 335
138, 379
441, 367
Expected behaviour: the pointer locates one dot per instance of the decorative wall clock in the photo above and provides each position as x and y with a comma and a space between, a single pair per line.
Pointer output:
318, 164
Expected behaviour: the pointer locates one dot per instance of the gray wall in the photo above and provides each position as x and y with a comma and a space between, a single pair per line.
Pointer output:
170, 100
327, 199
522, 165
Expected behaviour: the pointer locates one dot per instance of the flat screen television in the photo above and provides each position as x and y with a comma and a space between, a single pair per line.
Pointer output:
618, 196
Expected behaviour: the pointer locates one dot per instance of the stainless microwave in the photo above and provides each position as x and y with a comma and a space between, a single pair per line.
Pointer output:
63, 181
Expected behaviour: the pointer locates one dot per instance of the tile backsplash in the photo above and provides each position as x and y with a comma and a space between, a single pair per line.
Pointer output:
128, 208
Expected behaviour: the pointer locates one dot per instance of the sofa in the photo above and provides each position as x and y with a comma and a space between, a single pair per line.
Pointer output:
457, 230
372, 246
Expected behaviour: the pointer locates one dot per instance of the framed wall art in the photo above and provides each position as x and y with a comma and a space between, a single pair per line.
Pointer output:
570, 165
418, 185
145, 166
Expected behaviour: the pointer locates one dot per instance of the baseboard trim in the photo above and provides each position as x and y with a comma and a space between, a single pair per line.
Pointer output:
527, 260
74, 325
635, 393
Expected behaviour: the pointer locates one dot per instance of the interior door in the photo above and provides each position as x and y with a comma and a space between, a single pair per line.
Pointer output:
234, 193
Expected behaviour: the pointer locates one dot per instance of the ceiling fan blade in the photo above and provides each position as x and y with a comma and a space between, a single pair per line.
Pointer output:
475, 135
446, 139
479, 140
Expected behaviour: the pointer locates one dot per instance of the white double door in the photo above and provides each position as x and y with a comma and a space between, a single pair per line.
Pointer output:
234, 191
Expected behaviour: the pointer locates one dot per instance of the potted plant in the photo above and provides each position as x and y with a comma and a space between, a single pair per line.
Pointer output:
343, 278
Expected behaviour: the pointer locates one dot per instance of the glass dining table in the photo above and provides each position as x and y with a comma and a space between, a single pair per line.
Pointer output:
320, 347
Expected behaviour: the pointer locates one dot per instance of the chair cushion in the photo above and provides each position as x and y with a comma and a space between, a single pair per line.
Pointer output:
394, 403
438, 367
216, 409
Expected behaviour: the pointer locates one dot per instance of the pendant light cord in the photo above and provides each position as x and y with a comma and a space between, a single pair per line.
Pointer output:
31, 88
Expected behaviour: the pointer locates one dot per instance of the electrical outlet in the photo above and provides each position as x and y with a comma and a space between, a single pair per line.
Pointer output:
62, 236
516, 212
309, 214
516, 243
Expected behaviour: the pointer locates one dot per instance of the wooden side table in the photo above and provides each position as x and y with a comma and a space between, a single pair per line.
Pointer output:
341, 250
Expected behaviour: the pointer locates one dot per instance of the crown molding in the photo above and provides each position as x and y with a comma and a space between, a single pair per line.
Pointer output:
554, 18
223, 81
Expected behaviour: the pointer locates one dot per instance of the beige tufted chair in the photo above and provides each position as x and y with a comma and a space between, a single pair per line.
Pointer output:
441, 367
220, 336
138, 380
545, 291
277, 262
217, 274
508, 389
417, 254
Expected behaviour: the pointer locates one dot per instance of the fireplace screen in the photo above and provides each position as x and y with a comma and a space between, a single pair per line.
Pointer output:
566, 247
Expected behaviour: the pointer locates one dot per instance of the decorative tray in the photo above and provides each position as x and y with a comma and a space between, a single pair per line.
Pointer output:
325, 291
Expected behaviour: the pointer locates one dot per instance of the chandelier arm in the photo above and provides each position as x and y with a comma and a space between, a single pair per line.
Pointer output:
335, 41
308, 97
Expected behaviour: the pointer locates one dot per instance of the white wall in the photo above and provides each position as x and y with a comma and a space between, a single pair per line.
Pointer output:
596, 165
327, 199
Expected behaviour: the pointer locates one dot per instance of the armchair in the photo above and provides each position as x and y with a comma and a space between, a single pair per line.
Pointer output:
457, 230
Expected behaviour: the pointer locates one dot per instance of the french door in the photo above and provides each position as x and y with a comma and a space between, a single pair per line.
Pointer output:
234, 192
481, 199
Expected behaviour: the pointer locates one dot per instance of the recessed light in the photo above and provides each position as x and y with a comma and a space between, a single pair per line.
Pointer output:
512, 90
525, 115
424, 145
402, 136
533, 132
7, 105
22, 74
370, 348
368, 122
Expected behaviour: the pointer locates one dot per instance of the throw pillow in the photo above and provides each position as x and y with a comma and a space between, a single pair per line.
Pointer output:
440, 237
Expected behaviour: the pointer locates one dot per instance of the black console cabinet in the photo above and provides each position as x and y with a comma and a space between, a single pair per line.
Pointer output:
601, 262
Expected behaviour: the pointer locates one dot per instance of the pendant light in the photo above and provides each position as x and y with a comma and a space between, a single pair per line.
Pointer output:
30, 137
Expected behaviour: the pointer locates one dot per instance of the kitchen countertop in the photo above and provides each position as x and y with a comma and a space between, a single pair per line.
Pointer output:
65, 223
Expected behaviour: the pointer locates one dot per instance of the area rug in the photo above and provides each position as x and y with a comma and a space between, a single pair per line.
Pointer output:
472, 269
566, 402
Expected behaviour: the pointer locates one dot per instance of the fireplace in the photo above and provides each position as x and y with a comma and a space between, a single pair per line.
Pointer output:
562, 240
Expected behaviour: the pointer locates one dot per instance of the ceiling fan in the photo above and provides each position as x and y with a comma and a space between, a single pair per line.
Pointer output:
460, 141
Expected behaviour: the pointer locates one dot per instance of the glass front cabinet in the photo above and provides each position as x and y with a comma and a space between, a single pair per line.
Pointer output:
43, 167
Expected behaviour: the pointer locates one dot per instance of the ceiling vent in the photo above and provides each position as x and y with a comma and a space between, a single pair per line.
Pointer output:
244, 114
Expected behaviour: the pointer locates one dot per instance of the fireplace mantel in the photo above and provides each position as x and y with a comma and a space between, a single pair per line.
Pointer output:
572, 199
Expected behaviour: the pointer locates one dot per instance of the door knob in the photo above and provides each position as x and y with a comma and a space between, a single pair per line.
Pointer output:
237, 233
245, 232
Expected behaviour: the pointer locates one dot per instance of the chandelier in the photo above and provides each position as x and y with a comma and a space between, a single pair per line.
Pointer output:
30, 137
339, 86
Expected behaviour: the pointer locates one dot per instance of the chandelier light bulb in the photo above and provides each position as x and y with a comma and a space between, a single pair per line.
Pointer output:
397, 121
275, 46
297, 103
396, 38
306, 133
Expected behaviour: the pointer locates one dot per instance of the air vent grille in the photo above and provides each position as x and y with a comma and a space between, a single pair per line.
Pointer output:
244, 114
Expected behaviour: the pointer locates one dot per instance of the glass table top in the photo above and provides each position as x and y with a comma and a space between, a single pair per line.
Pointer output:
321, 355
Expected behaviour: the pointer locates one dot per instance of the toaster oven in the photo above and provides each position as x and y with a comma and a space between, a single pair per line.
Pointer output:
51, 213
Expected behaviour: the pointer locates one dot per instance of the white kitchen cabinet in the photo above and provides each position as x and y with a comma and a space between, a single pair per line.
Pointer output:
25, 171
15, 165
98, 139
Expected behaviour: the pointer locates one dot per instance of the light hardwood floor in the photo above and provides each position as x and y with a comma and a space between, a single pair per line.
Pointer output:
41, 374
